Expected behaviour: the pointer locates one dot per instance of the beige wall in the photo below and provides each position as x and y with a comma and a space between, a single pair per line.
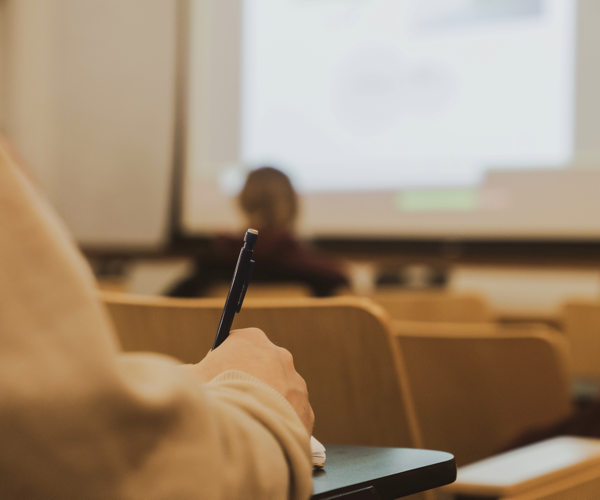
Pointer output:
587, 110
30, 85
87, 97
3, 37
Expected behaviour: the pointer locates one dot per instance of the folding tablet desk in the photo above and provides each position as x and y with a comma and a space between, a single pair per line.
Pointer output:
373, 473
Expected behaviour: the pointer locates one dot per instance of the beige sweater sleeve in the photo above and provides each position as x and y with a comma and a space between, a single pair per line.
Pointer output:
79, 420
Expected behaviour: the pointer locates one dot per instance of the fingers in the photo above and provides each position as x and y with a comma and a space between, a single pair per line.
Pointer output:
309, 419
304, 410
255, 334
250, 350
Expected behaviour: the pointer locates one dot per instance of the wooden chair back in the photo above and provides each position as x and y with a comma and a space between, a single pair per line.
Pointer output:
434, 306
342, 346
264, 290
477, 391
581, 323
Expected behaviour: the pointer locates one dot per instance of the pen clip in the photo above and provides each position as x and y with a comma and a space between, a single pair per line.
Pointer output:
246, 282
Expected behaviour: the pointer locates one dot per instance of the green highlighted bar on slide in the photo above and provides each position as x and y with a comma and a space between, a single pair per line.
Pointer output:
438, 200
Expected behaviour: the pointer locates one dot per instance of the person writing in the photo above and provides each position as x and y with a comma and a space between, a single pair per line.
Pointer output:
269, 204
79, 419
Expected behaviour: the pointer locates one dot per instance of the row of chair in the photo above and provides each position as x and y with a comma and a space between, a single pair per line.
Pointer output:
581, 324
465, 388
441, 306
579, 320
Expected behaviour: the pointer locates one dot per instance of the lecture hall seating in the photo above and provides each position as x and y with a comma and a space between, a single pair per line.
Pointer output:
360, 391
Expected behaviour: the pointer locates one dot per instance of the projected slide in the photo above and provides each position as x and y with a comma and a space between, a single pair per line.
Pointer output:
355, 95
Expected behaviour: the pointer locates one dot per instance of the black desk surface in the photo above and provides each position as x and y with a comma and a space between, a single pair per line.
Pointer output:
381, 473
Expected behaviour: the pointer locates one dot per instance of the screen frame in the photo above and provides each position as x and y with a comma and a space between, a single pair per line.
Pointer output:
437, 251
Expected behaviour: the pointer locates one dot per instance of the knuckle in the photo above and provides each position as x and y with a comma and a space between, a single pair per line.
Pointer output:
301, 384
252, 332
255, 331
304, 385
260, 336
286, 355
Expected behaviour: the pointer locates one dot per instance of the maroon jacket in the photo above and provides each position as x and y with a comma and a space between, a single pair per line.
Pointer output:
279, 256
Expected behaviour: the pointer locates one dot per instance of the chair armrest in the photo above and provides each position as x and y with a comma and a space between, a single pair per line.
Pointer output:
565, 465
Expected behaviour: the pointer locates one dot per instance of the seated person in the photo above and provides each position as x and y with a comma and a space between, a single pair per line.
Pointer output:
270, 205
79, 419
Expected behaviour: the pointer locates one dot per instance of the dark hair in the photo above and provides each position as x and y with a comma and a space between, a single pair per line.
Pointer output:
269, 200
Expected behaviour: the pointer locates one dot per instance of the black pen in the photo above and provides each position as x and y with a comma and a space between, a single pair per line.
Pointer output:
239, 285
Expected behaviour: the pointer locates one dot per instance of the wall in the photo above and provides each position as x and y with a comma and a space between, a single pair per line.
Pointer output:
88, 92
3, 37
587, 110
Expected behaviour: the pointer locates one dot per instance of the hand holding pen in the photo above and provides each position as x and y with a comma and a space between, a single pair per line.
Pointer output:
276, 367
